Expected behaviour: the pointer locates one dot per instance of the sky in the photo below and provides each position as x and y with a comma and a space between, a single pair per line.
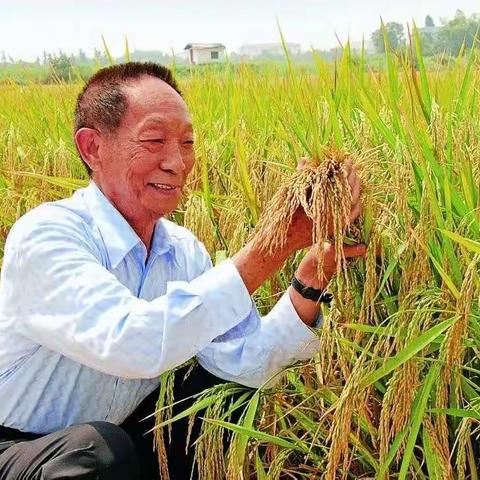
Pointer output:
29, 27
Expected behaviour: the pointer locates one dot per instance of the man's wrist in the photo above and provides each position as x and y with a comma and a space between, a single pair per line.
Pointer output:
313, 280
255, 266
306, 309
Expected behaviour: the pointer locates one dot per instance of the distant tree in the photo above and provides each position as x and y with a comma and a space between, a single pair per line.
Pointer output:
3, 58
150, 56
61, 66
457, 32
460, 16
377, 40
429, 43
100, 57
81, 57
429, 21
395, 35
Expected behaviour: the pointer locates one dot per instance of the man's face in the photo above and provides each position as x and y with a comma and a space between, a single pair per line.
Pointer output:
146, 161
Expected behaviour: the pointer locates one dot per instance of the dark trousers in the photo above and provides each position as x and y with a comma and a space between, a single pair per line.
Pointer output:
104, 451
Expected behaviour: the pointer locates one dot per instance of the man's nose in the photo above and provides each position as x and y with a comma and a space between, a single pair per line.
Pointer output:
172, 159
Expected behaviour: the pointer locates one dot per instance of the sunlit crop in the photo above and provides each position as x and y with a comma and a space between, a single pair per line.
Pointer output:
395, 390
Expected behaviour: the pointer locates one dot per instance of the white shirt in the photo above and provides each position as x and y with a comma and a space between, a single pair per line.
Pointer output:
88, 322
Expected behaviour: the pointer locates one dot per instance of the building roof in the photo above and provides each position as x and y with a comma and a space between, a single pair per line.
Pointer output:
200, 46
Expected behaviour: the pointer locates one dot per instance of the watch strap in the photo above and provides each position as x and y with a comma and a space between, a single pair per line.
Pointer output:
310, 293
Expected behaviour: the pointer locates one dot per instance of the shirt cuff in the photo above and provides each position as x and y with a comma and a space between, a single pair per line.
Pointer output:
301, 341
224, 294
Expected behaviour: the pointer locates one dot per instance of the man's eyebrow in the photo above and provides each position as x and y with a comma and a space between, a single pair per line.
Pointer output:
155, 120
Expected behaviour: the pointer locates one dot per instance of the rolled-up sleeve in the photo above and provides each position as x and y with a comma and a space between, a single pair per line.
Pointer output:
61, 297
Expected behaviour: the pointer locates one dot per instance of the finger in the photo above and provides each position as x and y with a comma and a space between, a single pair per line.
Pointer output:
355, 212
326, 249
353, 175
302, 163
354, 182
352, 251
348, 165
356, 190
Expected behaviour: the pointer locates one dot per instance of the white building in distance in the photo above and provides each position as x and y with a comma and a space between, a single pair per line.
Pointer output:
200, 53
255, 50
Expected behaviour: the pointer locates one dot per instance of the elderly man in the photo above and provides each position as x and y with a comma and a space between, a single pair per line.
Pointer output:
100, 294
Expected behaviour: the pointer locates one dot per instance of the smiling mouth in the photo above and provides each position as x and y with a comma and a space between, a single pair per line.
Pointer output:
164, 187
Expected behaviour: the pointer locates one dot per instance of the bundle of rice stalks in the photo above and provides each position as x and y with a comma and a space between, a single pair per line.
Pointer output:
322, 190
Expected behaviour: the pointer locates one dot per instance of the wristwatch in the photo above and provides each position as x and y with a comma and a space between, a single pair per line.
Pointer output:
310, 293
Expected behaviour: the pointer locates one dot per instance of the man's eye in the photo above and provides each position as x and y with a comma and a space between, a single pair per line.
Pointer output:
155, 140
188, 142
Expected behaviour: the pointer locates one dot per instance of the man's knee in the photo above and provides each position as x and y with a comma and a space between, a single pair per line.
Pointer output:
97, 450
112, 448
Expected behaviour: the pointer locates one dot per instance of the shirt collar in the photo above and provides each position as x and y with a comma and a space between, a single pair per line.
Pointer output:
117, 234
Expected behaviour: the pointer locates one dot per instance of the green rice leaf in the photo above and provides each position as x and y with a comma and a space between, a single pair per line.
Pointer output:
457, 412
418, 412
471, 245
407, 353
111, 61
240, 442
250, 432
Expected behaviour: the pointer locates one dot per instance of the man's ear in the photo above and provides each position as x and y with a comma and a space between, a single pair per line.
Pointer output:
88, 143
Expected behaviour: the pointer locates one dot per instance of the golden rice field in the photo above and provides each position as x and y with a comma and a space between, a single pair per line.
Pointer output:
395, 391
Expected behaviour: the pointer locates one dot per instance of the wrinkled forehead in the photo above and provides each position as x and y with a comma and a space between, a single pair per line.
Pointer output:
150, 97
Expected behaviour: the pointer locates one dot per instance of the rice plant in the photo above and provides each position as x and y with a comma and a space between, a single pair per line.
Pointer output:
395, 390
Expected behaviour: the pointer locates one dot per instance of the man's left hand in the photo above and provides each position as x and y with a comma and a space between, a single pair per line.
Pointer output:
307, 273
